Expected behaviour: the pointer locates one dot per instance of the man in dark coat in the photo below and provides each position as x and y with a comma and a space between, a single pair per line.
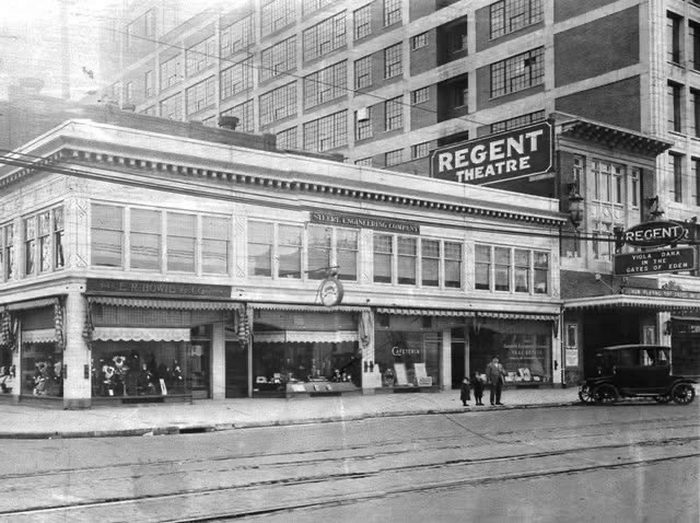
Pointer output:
495, 374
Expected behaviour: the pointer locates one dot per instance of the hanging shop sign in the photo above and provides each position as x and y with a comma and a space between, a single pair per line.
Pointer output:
662, 260
655, 234
525, 151
363, 221
331, 291
135, 288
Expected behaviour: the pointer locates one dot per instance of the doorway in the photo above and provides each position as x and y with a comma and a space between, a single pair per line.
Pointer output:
236, 370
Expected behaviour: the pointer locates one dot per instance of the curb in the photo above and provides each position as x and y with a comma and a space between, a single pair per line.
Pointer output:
170, 430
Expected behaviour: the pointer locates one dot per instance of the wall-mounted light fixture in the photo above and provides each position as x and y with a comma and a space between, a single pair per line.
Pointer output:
655, 210
575, 205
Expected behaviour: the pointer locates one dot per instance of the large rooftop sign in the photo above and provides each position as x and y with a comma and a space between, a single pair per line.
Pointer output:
525, 151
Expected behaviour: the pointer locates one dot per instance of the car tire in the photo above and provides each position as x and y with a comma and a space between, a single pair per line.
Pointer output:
683, 393
605, 394
585, 394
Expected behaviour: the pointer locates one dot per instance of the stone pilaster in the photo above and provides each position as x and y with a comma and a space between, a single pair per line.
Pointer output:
76, 356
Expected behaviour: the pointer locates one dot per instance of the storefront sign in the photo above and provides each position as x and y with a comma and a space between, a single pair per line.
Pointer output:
397, 351
505, 156
367, 222
655, 234
663, 260
571, 355
152, 289
331, 292
661, 293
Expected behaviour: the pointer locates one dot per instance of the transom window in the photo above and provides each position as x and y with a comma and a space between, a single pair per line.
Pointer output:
517, 72
509, 269
508, 16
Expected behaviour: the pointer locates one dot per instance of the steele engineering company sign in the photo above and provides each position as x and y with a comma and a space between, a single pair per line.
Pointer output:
526, 151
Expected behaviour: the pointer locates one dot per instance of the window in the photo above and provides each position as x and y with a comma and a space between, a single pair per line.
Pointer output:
145, 239
695, 112
129, 95
502, 268
278, 59
244, 113
327, 132
172, 107
407, 260
522, 270
347, 243
508, 16
287, 139
460, 93
518, 121
367, 162
541, 264
695, 181
216, 245
276, 14
383, 255
107, 235
517, 72
516, 270
58, 234
200, 56
237, 36
325, 85
362, 22
602, 240
200, 96
608, 180
393, 157
676, 168
319, 251
430, 263
260, 242
419, 41
420, 150
289, 251
673, 38
140, 29
237, 78
694, 49
309, 6
392, 61
457, 38
363, 127
482, 278
332, 247
674, 107
392, 12
363, 72
30, 230
324, 37
453, 265
170, 72
635, 177
7, 251
278, 104
393, 114
420, 96
182, 242
148, 84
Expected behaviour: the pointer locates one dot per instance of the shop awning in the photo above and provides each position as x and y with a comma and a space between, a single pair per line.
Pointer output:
140, 334
31, 304
637, 302
39, 336
147, 303
306, 308
466, 313
294, 336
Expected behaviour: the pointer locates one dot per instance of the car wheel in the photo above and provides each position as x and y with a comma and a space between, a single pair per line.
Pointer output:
605, 394
683, 393
662, 398
585, 394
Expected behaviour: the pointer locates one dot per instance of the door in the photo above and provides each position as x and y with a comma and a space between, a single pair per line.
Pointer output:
236, 370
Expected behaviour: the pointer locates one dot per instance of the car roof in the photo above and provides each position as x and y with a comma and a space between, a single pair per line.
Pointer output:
638, 346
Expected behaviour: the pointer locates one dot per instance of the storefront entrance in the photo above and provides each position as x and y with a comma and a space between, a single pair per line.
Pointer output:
236, 370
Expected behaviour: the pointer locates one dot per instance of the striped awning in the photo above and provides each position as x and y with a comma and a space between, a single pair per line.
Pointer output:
39, 336
306, 308
31, 304
655, 303
298, 336
147, 303
468, 313
140, 334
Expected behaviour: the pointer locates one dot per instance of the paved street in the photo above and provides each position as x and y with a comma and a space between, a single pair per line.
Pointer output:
628, 462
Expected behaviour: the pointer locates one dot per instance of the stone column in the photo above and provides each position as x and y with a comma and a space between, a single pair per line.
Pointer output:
76, 356
446, 360
558, 363
218, 362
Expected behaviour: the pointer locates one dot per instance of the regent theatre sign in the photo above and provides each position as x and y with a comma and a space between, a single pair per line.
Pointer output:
525, 151
656, 234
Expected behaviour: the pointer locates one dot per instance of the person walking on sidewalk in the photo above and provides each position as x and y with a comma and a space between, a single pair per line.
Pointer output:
495, 374
464, 391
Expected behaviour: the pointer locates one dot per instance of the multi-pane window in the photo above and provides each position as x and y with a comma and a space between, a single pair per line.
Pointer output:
260, 247
694, 47
363, 72
324, 37
145, 239
673, 38
362, 22
420, 96
420, 150
453, 264
289, 251
393, 114
319, 251
148, 84
332, 247
511, 269
244, 113
541, 272
676, 168
327, 84
7, 251
200, 56
237, 36
502, 268
276, 14
635, 180
517, 121
237, 78
430, 263
695, 181
457, 38
367, 162
608, 182
216, 245
407, 265
392, 12
347, 245
392, 61
287, 139
521, 273
508, 16
107, 235
327, 132
517, 72
170, 72
181, 241
393, 157
30, 230
278, 104
140, 29
172, 107
694, 113
59, 228
363, 124
674, 107
278, 59
482, 267
201, 95
418, 41
44, 237
310, 6
383, 258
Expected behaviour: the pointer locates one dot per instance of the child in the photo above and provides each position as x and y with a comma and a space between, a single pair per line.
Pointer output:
478, 388
464, 392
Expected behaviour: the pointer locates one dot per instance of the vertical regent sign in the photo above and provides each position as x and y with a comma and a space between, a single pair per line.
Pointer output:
525, 151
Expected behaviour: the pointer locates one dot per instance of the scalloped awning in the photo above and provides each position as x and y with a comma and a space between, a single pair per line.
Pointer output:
467, 313
140, 334
292, 336
39, 336
147, 303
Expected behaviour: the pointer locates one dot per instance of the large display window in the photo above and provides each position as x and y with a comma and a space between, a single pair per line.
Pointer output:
42, 370
407, 359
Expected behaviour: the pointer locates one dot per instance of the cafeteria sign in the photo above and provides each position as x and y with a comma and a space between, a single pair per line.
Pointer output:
525, 151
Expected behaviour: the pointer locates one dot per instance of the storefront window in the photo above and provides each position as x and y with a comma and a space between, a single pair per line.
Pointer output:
42, 370
407, 359
8, 372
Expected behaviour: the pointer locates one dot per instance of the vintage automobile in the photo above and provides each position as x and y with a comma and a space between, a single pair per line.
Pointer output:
632, 371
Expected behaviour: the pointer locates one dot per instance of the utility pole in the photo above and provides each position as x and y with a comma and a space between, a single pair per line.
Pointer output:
65, 51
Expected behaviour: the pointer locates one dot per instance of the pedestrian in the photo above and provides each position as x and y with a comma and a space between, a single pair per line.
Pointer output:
478, 388
464, 392
495, 374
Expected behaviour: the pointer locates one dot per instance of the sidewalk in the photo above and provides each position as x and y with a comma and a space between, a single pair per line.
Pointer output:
25, 422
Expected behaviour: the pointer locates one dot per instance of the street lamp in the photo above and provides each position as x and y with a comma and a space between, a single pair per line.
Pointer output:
575, 206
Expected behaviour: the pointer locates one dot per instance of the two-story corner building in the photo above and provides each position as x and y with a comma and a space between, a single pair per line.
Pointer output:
153, 263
